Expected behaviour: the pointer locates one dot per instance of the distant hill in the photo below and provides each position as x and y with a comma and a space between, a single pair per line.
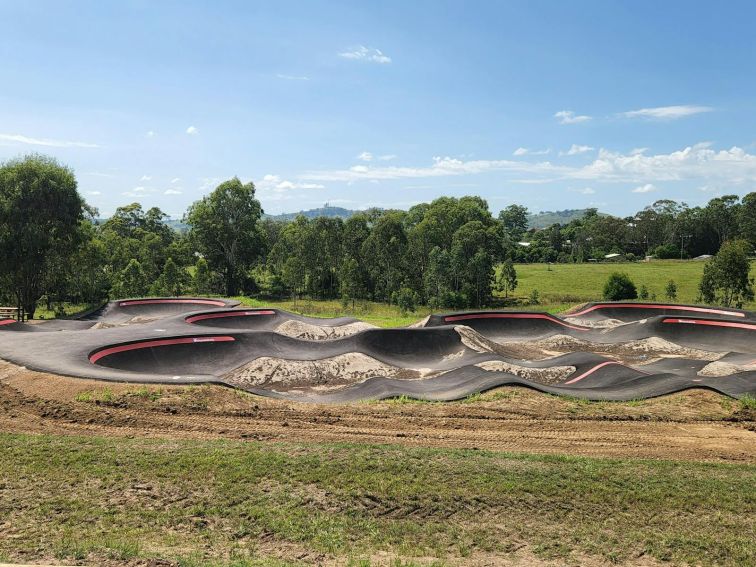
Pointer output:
326, 211
546, 218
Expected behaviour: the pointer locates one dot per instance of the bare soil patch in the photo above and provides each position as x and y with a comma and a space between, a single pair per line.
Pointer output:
695, 425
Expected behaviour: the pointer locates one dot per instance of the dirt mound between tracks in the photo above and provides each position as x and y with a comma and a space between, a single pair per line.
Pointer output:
302, 330
317, 374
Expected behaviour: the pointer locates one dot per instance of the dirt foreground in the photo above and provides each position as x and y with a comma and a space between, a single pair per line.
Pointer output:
694, 425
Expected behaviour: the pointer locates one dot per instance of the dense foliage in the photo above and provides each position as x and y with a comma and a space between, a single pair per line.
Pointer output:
450, 253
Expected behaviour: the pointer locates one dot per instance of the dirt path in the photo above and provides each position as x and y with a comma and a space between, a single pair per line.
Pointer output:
696, 425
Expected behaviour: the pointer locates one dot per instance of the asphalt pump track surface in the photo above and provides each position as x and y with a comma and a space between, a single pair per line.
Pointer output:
603, 351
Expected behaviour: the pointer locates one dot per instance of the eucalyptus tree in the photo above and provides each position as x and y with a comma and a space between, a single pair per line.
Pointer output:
224, 225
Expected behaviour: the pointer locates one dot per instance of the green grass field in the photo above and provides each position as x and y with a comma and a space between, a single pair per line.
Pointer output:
243, 503
561, 286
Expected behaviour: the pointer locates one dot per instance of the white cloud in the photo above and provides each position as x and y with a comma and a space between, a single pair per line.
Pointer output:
519, 152
700, 163
94, 193
647, 188
441, 166
587, 191
192, 131
172, 192
667, 112
145, 178
209, 183
569, 117
19, 139
365, 156
274, 183
576, 149
734, 166
137, 192
362, 53
387, 157
150, 134
292, 77
175, 180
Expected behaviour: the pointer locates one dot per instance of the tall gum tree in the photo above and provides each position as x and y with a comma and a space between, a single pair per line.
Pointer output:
40, 216
225, 228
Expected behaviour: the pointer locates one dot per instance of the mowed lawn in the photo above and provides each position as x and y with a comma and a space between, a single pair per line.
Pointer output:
560, 287
576, 283
97, 500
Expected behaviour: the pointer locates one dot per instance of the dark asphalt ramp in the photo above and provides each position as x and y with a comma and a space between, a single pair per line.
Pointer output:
200, 340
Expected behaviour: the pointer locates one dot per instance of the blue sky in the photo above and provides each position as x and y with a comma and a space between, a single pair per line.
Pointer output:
548, 104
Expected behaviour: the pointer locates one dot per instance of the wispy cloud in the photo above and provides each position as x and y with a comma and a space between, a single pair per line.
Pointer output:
576, 149
519, 152
172, 192
647, 188
292, 77
192, 131
49, 142
175, 180
569, 117
145, 178
586, 191
699, 162
137, 192
667, 112
94, 193
362, 53
441, 166
276, 184
150, 134
368, 156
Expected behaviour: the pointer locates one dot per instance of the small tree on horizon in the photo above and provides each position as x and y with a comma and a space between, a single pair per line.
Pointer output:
201, 282
506, 280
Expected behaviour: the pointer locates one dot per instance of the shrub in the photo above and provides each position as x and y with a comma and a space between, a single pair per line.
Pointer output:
534, 298
666, 252
671, 290
643, 292
618, 287
405, 299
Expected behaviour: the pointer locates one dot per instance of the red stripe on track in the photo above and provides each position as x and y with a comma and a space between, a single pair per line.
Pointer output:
156, 343
747, 326
7, 321
589, 372
656, 306
195, 318
158, 301
512, 316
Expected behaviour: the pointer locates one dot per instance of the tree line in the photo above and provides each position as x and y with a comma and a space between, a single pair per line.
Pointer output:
442, 253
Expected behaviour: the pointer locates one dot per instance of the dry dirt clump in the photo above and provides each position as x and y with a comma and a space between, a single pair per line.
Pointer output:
138, 320
301, 330
651, 346
595, 324
336, 371
720, 368
551, 375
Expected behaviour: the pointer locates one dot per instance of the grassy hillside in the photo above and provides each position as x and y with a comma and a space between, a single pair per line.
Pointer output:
101, 500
